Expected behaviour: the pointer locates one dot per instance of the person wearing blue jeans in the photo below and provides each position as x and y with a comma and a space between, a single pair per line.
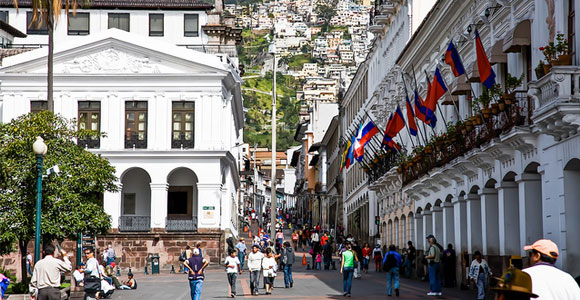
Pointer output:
392, 263
347, 273
288, 281
347, 268
433, 258
196, 266
195, 287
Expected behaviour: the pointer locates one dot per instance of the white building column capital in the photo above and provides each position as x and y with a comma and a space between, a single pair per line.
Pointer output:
437, 209
506, 185
426, 213
447, 205
487, 191
528, 177
471, 197
159, 186
209, 186
458, 199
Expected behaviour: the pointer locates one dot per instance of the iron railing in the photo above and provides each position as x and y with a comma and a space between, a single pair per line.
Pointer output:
134, 223
181, 223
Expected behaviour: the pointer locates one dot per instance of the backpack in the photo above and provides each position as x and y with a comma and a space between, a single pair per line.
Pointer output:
390, 262
182, 256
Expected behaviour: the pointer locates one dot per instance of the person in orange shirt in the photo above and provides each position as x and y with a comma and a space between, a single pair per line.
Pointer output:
324, 239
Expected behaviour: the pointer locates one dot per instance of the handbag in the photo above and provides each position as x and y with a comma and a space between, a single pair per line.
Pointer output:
92, 284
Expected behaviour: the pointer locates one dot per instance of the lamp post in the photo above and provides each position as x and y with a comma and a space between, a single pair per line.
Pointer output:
39, 148
273, 200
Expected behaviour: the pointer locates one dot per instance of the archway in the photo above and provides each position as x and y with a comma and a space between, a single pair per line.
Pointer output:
438, 220
427, 221
182, 200
489, 218
404, 231
397, 232
530, 201
390, 242
420, 234
135, 201
509, 216
571, 262
474, 237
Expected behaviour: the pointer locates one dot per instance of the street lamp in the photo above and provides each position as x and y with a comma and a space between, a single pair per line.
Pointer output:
273, 200
39, 148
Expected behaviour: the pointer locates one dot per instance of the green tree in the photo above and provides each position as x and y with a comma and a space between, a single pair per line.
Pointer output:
70, 199
326, 10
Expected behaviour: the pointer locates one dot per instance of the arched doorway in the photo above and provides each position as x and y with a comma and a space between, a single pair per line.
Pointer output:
571, 262
135, 201
182, 200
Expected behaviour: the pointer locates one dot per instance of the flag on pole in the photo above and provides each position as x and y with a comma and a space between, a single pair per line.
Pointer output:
358, 148
435, 91
420, 109
344, 155
411, 117
395, 124
392, 145
365, 134
486, 74
350, 153
453, 59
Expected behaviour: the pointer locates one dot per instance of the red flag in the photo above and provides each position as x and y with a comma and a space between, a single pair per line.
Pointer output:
435, 91
486, 74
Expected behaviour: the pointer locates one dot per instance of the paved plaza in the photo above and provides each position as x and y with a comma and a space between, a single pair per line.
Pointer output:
308, 284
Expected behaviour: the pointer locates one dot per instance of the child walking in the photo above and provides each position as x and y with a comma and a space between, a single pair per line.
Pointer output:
318, 261
232, 269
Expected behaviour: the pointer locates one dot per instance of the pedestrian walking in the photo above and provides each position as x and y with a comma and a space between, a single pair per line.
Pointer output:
433, 260
111, 256
391, 264
185, 255
295, 239
269, 267
366, 257
241, 248
4, 283
288, 259
196, 266
279, 236
449, 261
29, 263
232, 264
549, 282
254, 267
46, 275
318, 261
515, 285
479, 273
378, 256
410, 259
347, 261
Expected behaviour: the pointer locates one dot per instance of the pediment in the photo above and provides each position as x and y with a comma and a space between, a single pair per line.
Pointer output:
116, 52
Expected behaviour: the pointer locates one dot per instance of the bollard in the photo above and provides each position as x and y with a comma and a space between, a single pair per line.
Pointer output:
118, 272
172, 269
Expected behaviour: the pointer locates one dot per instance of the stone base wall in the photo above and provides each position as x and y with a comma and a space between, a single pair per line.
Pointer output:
134, 250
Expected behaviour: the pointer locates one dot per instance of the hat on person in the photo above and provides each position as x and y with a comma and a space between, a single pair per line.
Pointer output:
545, 247
515, 281
241, 239
430, 236
113, 265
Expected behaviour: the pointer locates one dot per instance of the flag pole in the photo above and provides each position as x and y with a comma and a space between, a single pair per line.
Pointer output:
437, 103
449, 92
416, 89
418, 129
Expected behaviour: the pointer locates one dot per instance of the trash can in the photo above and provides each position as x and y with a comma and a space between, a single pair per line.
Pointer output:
155, 264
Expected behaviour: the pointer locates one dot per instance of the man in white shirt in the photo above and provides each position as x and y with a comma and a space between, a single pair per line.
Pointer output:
548, 282
232, 269
255, 265
79, 274
46, 275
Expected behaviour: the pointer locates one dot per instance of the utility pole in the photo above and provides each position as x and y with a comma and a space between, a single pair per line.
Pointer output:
273, 209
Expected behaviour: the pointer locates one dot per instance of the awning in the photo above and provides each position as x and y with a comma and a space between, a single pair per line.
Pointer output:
314, 147
314, 160
460, 86
295, 157
473, 72
497, 56
517, 37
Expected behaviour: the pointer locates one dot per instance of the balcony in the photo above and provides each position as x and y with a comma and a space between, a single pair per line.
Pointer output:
383, 20
556, 97
134, 223
181, 223
388, 8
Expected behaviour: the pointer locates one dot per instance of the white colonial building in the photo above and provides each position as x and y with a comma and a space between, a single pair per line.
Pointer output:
172, 115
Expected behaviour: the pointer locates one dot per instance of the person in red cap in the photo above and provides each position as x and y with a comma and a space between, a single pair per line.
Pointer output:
549, 282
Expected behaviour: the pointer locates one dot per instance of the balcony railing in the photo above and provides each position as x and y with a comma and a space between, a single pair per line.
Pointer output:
134, 223
90, 143
181, 223
133, 141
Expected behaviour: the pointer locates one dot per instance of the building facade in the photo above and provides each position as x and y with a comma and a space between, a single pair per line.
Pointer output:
172, 115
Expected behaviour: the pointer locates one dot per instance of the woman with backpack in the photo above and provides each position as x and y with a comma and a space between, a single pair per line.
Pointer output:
348, 258
391, 264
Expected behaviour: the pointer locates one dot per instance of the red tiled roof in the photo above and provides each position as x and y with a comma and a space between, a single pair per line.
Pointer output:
131, 4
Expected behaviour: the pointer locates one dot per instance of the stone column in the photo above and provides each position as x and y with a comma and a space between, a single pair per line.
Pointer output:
489, 221
509, 218
460, 216
474, 242
438, 223
448, 229
530, 201
112, 206
209, 206
427, 225
419, 235
158, 205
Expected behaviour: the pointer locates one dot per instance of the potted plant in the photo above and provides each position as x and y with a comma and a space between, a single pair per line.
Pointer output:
562, 51
495, 109
549, 52
540, 70
511, 83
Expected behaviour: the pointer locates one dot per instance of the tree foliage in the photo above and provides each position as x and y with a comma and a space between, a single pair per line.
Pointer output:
70, 199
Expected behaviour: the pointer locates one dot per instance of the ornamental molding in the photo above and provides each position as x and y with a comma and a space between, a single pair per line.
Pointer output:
108, 61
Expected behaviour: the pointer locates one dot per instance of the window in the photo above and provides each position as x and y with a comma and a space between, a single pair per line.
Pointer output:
78, 24
38, 106
571, 28
119, 21
182, 124
36, 27
136, 124
155, 24
191, 24
4, 16
90, 119
128, 203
